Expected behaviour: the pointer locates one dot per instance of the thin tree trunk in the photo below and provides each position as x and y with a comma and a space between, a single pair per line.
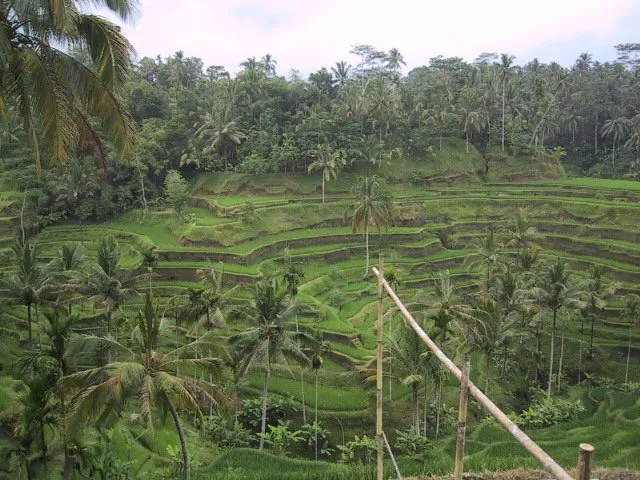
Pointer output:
561, 354
322, 187
44, 451
626, 371
595, 136
503, 102
580, 362
263, 427
487, 366
467, 142
438, 403
416, 411
27, 468
366, 250
29, 321
593, 323
316, 416
553, 333
186, 467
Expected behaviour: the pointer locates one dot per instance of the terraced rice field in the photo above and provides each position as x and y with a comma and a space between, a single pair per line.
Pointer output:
585, 221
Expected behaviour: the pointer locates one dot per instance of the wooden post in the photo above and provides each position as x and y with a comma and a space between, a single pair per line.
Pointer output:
583, 471
379, 331
524, 440
462, 418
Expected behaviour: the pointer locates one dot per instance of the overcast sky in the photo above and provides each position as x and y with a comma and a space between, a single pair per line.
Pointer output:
309, 34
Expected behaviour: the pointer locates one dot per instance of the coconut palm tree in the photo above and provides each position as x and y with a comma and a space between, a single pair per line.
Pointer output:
57, 96
328, 162
269, 65
616, 128
409, 363
506, 70
218, 132
213, 302
69, 260
487, 257
395, 60
341, 72
268, 339
31, 282
595, 294
372, 206
632, 312
105, 282
318, 349
524, 235
554, 292
470, 123
149, 369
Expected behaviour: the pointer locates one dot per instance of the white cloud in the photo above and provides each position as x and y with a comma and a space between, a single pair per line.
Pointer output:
306, 35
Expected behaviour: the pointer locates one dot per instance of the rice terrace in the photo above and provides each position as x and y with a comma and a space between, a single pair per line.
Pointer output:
258, 275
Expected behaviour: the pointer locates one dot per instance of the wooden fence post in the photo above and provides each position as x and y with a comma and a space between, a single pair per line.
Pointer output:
462, 417
583, 472
380, 330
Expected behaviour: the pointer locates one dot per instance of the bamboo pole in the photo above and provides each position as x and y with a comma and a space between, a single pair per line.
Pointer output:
462, 418
393, 459
379, 330
543, 457
583, 471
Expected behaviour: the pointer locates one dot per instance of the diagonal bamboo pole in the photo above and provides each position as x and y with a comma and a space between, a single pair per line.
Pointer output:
542, 456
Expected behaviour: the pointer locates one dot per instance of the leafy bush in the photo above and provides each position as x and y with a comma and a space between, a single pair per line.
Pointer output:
549, 411
281, 437
358, 450
410, 442
226, 432
277, 410
313, 431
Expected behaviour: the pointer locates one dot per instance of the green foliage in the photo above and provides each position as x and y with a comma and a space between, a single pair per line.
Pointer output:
411, 443
176, 191
549, 411
226, 432
359, 450
280, 437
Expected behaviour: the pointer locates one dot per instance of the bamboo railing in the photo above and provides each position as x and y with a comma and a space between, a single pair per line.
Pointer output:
584, 463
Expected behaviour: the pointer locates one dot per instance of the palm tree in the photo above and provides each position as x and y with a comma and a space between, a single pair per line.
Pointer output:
318, 348
632, 312
372, 205
487, 256
105, 282
35, 413
57, 96
214, 301
31, 282
497, 332
595, 294
268, 340
616, 128
341, 72
148, 368
554, 293
328, 161
217, 132
292, 278
470, 121
70, 259
524, 235
409, 361
395, 60
506, 71
269, 65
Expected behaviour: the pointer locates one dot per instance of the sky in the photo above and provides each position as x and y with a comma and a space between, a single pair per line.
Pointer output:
308, 34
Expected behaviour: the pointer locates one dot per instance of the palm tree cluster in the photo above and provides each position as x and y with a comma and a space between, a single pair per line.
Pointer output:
517, 297
75, 382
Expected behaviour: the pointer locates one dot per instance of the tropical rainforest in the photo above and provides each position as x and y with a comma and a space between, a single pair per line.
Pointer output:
185, 257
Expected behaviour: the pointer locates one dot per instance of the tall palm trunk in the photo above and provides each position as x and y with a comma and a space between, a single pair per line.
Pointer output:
366, 250
503, 102
438, 402
304, 407
467, 141
322, 187
263, 427
593, 323
44, 451
553, 338
414, 406
316, 416
561, 354
487, 366
626, 371
186, 467
29, 321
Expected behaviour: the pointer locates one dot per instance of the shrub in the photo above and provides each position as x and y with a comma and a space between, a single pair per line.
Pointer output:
548, 412
226, 432
359, 450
